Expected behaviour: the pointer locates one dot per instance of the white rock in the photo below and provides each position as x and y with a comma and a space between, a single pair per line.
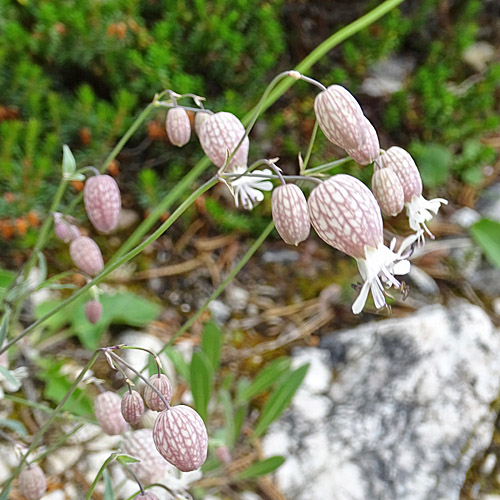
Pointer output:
478, 55
220, 312
410, 396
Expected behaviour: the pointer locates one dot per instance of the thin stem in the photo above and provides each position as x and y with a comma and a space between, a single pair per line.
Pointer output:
99, 474
255, 246
153, 354
271, 176
144, 379
50, 420
163, 104
131, 472
111, 267
327, 166
312, 81
303, 167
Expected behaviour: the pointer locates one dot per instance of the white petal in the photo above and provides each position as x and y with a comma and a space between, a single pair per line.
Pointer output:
360, 302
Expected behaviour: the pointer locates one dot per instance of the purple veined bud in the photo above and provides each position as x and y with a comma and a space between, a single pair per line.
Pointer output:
107, 408
418, 210
132, 407
370, 150
93, 311
181, 437
199, 119
345, 214
152, 466
147, 496
178, 126
64, 230
290, 213
151, 398
388, 191
103, 202
86, 255
219, 134
32, 482
340, 117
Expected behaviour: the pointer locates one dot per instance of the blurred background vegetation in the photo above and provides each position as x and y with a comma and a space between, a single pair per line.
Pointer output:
80, 72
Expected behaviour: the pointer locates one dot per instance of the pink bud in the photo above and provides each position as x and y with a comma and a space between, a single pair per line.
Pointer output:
178, 126
147, 496
107, 407
102, 202
152, 466
405, 168
290, 213
93, 311
132, 407
219, 135
32, 482
64, 230
153, 401
345, 214
199, 119
388, 191
223, 454
181, 437
86, 255
370, 150
340, 117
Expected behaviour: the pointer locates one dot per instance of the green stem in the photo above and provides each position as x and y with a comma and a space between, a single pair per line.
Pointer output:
309, 149
257, 243
50, 420
110, 268
99, 474
327, 166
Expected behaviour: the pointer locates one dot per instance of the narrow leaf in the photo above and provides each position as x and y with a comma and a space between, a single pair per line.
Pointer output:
280, 399
267, 377
15, 425
42, 263
239, 417
486, 232
262, 467
179, 363
126, 459
69, 163
108, 486
228, 417
7, 375
200, 376
5, 493
211, 344
4, 326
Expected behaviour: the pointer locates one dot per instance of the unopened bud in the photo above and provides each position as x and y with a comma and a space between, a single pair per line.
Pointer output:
219, 135
153, 401
340, 117
290, 213
388, 191
64, 230
132, 407
93, 311
181, 437
370, 150
178, 126
32, 483
147, 496
107, 407
102, 202
86, 255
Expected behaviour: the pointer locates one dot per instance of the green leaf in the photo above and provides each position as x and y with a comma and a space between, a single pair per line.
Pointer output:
486, 232
239, 417
126, 459
4, 326
7, 375
434, 162
179, 363
200, 376
108, 486
280, 399
267, 377
43, 265
69, 163
228, 417
211, 344
15, 425
5, 493
262, 467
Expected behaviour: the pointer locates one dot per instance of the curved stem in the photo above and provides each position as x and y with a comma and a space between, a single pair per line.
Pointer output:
99, 474
327, 166
303, 167
109, 268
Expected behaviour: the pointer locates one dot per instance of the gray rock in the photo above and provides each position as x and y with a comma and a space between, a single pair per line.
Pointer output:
220, 312
488, 204
387, 76
407, 409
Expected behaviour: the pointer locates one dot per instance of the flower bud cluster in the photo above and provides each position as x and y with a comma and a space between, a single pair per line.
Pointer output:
179, 433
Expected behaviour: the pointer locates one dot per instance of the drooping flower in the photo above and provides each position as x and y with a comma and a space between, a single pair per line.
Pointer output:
93, 311
219, 135
102, 202
418, 209
64, 229
107, 408
340, 117
86, 255
290, 213
388, 191
151, 397
247, 189
345, 214
370, 150
178, 126
132, 407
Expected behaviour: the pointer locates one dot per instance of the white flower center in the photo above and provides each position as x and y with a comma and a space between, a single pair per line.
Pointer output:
378, 269
247, 189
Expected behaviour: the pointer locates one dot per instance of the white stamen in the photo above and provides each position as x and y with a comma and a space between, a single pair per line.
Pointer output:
418, 211
247, 191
